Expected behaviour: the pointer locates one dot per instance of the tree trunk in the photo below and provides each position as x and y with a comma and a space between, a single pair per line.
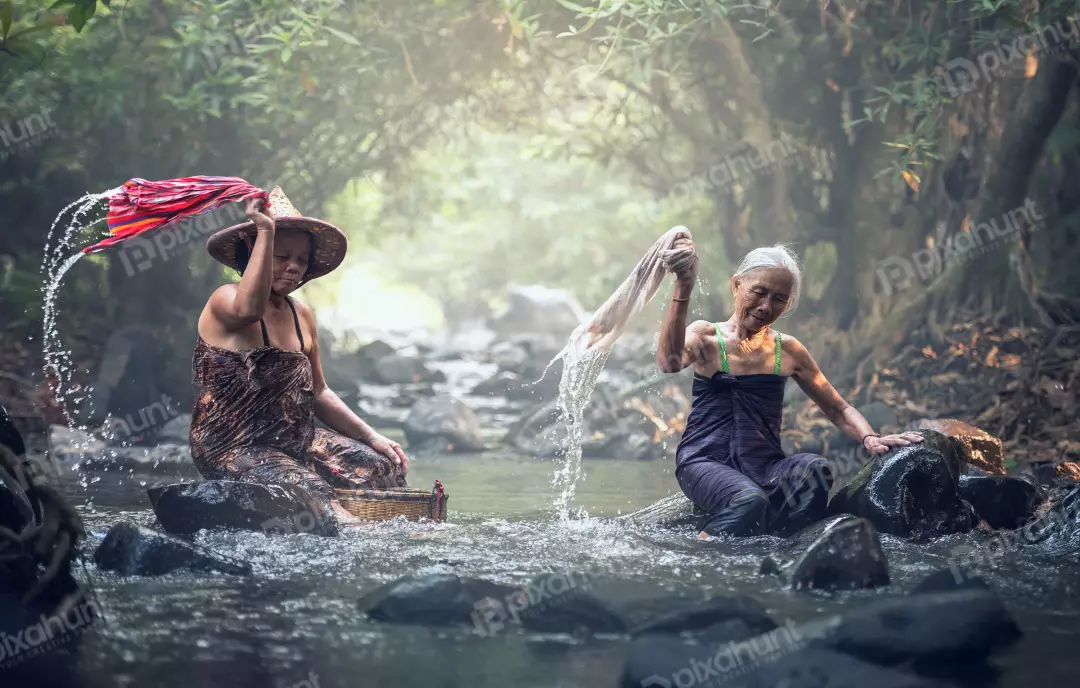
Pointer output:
1000, 278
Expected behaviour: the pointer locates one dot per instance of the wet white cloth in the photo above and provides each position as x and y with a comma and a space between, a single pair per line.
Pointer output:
610, 320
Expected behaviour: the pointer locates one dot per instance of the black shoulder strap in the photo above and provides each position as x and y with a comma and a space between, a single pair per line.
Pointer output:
266, 337
296, 321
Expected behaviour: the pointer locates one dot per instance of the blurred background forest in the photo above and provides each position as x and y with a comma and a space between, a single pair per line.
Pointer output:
471, 146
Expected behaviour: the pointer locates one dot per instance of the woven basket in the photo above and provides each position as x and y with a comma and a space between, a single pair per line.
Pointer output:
383, 505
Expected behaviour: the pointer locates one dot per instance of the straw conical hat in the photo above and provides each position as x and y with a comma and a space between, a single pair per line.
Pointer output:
330, 242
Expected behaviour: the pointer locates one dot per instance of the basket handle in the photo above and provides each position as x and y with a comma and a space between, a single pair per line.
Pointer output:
438, 493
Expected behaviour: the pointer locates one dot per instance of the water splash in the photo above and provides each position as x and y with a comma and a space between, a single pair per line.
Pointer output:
55, 263
575, 388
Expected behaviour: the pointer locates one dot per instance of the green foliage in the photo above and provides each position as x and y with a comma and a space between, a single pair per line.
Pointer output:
486, 211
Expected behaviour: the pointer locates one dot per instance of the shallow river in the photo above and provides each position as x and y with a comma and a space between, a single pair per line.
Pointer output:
296, 623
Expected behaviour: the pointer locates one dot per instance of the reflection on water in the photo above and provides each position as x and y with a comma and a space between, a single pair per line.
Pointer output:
296, 619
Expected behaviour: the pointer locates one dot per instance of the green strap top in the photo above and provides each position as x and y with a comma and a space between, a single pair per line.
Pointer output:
723, 353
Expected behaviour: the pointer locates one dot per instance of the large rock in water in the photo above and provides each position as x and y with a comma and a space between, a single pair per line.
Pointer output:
1001, 501
187, 508
443, 423
844, 553
769, 660
937, 632
397, 369
910, 492
716, 618
435, 600
973, 446
132, 550
550, 603
536, 308
1057, 532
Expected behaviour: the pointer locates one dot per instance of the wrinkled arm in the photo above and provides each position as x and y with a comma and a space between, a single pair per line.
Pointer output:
679, 344
812, 381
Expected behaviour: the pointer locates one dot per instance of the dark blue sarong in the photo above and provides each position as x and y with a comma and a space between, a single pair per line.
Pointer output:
731, 465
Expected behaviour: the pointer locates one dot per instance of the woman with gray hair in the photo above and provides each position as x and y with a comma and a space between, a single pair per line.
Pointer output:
730, 463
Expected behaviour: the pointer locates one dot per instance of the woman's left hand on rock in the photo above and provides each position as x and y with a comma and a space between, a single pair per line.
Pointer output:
391, 450
881, 445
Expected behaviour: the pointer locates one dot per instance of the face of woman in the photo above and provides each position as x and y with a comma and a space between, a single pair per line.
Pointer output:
761, 297
292, 249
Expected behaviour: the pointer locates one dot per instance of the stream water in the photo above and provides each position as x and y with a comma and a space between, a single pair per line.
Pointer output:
296, 618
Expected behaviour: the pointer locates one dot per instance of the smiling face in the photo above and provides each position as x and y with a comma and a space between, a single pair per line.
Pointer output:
292, 250
761, 297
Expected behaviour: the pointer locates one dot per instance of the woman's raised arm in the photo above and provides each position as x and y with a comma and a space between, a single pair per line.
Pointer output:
238, 307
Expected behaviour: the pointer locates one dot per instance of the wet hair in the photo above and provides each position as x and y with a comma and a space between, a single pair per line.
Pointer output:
778, 256
243, 256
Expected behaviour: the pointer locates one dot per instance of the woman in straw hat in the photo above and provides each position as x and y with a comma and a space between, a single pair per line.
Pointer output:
256, 368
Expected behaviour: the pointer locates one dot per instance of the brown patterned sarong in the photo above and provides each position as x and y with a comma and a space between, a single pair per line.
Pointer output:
254, 421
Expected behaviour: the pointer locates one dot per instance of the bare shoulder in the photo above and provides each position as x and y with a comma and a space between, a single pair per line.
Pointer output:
224, 291
792, 347
303, 310
700, 327
221, 300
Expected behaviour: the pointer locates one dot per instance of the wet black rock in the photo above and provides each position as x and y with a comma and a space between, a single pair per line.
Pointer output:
517, 387
910, 492
1056, 533
186, 508
777, 658
10, 436
364, 361
397, 369
551, 603
846, 556
437, 600
132, 550
842, 552
562, 603
1003, 502
932, 632
445, 422
727, 613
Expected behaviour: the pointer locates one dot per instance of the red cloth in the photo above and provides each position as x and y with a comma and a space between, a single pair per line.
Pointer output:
142, 206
